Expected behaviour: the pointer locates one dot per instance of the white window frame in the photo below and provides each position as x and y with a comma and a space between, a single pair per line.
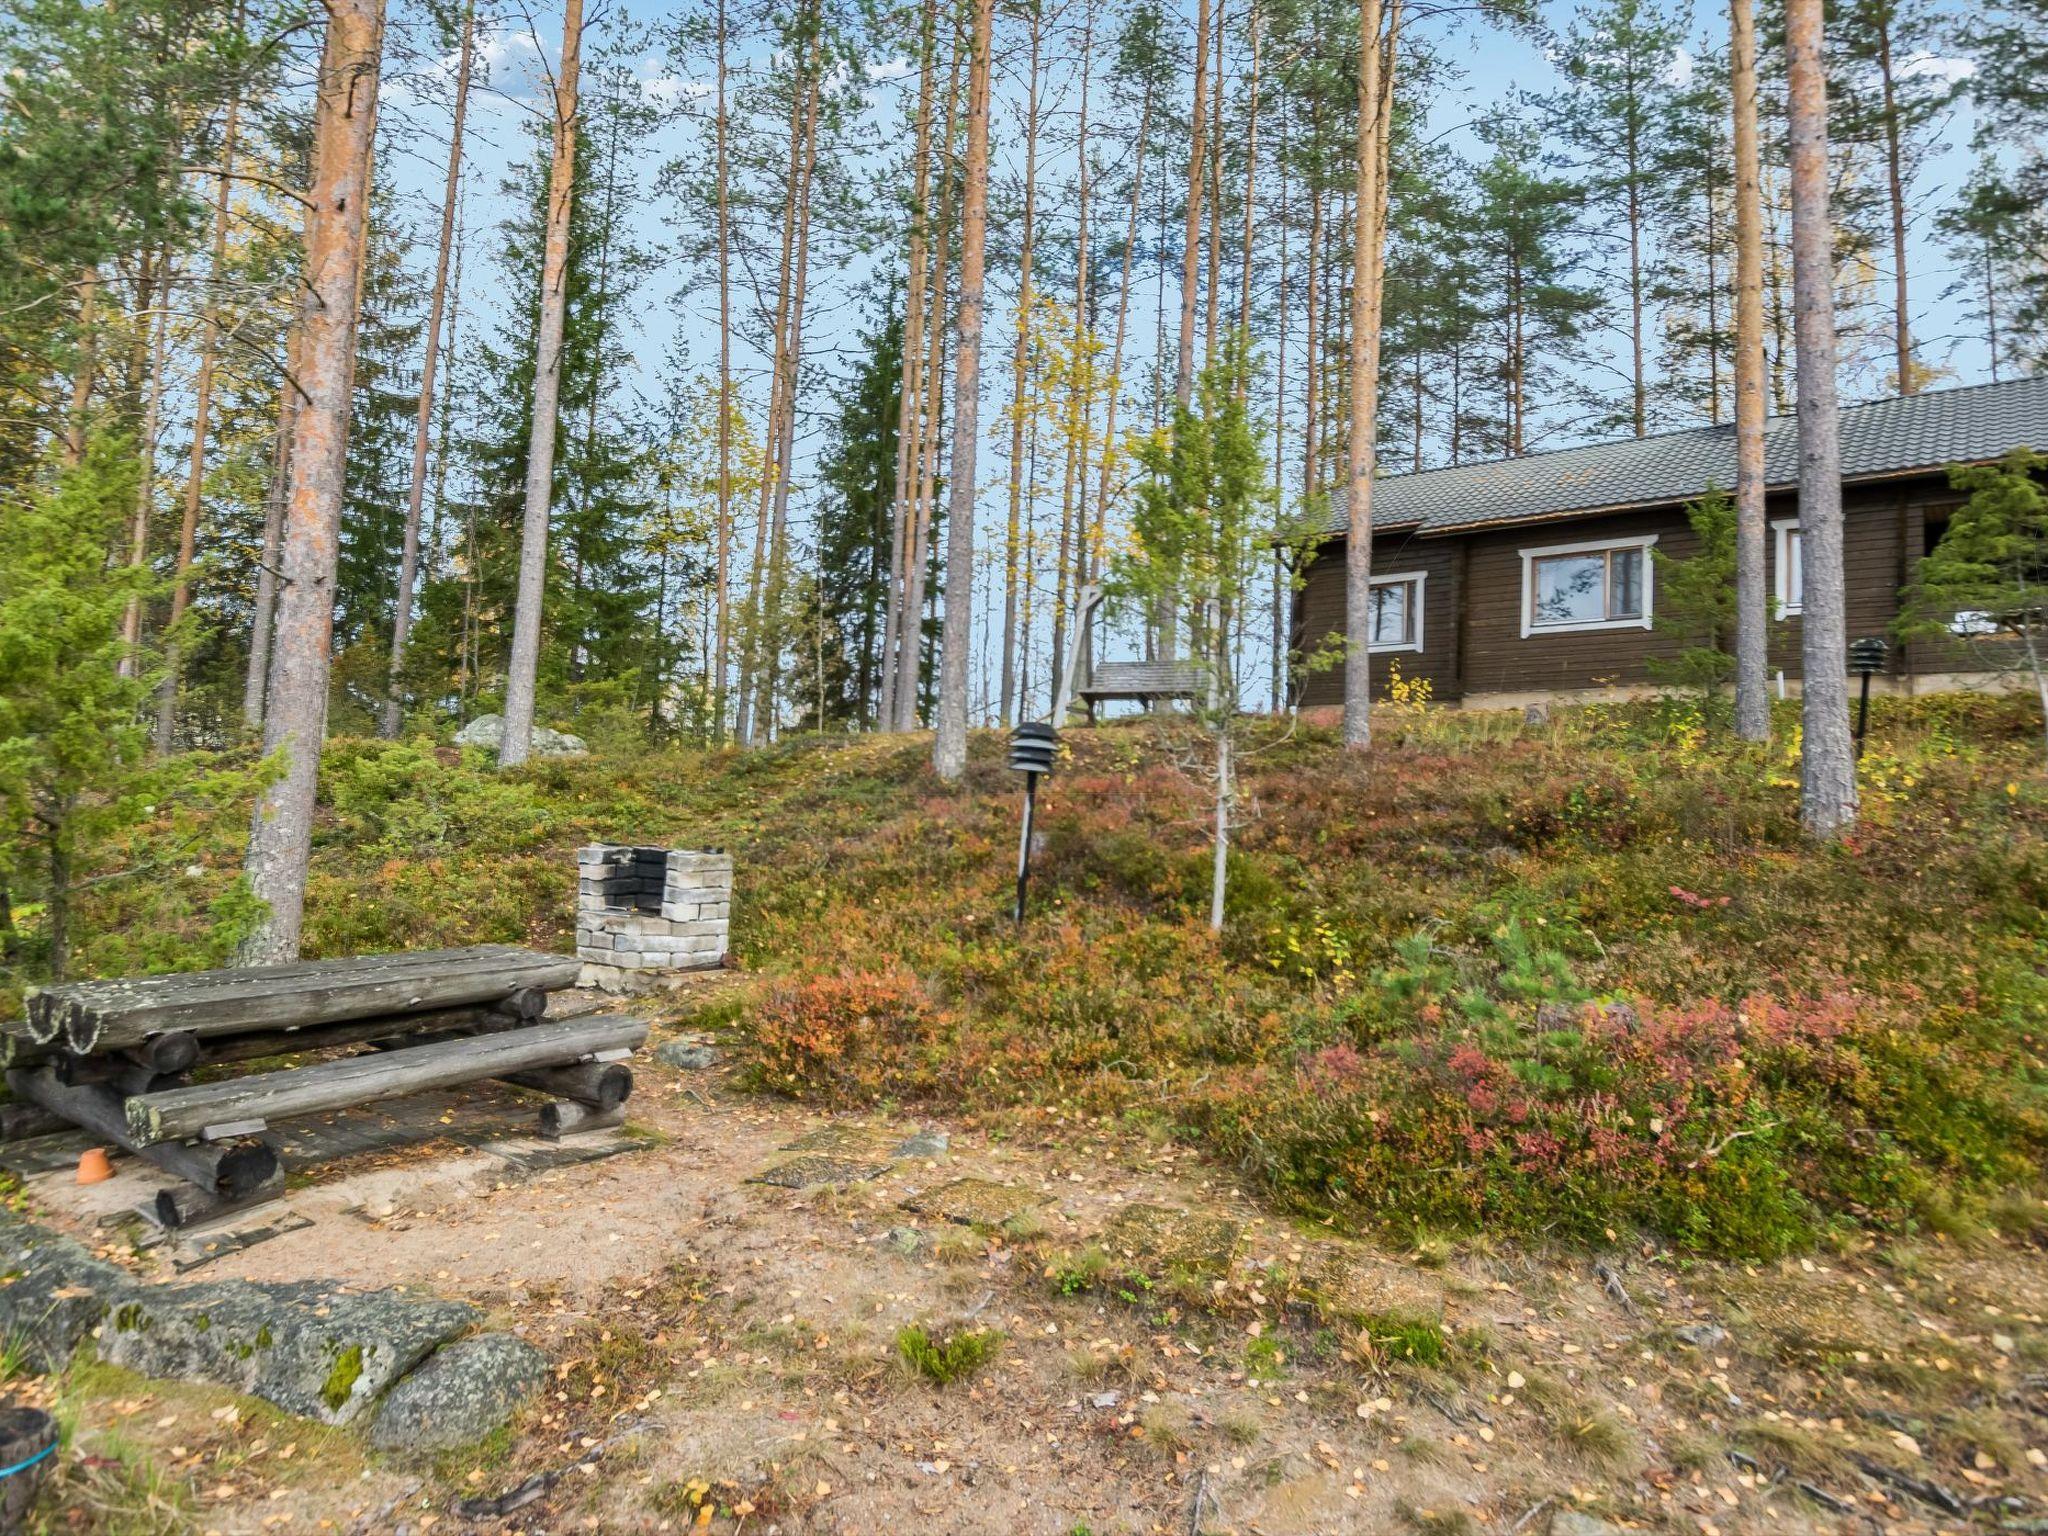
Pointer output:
1417, 579
1782, 529
1643, 542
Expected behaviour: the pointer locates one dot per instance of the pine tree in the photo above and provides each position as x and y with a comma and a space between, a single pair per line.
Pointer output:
1522, 221
522, 667
1617, 55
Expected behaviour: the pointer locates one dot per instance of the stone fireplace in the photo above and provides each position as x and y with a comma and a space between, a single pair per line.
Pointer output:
645, 912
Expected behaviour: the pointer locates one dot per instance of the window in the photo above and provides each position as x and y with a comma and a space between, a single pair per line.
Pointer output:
1603, 585
1397, 611
1791, 561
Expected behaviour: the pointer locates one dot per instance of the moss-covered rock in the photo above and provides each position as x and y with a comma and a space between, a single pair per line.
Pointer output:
52, 1292
309, 1347
460, 1394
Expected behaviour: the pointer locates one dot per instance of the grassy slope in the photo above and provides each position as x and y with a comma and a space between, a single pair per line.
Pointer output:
1409, 1018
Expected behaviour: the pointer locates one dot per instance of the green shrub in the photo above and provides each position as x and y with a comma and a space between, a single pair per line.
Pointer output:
946, 1358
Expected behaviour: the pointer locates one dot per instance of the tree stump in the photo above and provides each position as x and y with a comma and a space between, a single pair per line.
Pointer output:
28, 1449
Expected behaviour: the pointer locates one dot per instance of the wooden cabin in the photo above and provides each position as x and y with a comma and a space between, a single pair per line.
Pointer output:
1533, 579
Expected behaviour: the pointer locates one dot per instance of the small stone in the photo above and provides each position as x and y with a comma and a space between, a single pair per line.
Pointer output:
817, 1168
690, 1055
925, 1144
1700, 1335
460, 1394
1572, 1522
976, 1202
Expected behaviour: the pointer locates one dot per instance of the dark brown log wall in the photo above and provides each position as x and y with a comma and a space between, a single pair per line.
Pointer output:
1472, 637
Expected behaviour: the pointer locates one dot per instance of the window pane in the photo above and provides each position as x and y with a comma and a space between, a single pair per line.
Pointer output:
1390, 613
1795, 569
1569, 589
1625, 585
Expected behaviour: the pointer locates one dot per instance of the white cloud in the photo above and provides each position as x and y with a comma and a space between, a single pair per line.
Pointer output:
1933, 66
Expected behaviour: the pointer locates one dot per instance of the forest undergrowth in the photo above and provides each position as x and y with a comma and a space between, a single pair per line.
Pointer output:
1578, 979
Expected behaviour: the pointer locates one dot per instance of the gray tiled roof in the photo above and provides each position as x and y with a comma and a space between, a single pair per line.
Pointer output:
1926, 431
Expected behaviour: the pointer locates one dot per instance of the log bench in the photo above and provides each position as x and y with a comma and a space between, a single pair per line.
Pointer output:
116, 1058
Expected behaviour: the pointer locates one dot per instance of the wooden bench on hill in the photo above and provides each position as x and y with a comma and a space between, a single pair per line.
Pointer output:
1140, 682
116, 1058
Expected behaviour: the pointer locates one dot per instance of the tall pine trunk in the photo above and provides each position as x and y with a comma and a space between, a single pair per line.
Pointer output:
1072, 560
1895, 197
910, 403
130, 664
917, 556
409, 556
281, 837
1123, 311
523, 675
1752, 619
750, 629
202, 413
1375, 95
1019, 357
949, 748
1184, 375
792, 360
1827, 796
723, 640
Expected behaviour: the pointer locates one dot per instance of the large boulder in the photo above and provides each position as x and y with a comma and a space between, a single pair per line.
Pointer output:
487, 731
53, 1292
463, 1392
311, 1348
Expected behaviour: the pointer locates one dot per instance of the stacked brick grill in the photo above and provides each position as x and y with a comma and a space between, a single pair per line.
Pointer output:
641, 910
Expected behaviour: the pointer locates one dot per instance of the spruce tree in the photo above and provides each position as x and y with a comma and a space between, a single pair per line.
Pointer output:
857, 479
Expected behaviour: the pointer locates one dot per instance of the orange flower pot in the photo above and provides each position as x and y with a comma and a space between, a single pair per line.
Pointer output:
93, 1166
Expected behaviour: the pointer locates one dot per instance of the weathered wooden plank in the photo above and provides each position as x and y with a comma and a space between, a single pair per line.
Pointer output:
599, 1084
228, 1168
254, 1005
433, 1024
48, 1009
272, 1096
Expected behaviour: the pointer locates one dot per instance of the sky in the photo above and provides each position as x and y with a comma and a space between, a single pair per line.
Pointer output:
673, 328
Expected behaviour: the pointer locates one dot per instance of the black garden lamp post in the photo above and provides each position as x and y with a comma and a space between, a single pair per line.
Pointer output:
1032, 746
1866, 659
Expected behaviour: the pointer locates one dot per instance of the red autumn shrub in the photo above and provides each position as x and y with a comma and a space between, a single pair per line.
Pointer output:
852, 1037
